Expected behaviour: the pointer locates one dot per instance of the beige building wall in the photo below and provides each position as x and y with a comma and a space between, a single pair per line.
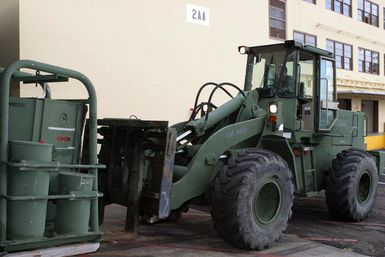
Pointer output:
146, 59
9, 34
143, 56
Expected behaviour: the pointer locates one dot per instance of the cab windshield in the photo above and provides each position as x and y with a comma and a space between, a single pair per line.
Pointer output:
271, 72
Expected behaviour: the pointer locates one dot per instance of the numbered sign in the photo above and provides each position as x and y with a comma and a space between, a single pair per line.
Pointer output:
197, 14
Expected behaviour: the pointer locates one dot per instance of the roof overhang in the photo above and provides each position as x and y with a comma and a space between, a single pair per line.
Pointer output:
362, 92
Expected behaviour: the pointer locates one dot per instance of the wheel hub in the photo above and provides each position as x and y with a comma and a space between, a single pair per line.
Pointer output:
267, 201
364, 188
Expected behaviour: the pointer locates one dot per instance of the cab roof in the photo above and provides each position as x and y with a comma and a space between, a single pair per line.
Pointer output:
294, 45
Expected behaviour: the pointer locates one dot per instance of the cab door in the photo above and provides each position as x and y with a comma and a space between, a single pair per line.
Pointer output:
326, 104
306, 86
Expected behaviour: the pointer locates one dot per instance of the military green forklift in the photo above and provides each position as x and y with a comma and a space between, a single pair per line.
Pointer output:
280, 136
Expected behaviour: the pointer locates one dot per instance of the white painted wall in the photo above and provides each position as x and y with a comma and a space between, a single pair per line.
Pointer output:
143, 56
146, 59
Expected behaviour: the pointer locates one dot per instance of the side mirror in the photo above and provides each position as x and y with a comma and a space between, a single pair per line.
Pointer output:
301, 93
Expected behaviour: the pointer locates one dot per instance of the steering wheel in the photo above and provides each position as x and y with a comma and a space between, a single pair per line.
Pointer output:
286, 91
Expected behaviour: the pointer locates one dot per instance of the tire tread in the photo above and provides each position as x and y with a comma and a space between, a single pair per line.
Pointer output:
230, 195
339, 180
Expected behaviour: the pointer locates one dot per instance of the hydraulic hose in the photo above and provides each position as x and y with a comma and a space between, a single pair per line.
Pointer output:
199, 93
220, 86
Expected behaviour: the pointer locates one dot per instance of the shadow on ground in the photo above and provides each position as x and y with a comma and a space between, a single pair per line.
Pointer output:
309, 232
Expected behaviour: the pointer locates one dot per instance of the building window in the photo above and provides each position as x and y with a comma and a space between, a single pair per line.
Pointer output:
368, 12
311, 1
368, 61
304, 38
342, 52
341, 6
278, 19
345, 104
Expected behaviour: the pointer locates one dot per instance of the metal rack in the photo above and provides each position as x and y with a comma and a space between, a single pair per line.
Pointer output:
43, 123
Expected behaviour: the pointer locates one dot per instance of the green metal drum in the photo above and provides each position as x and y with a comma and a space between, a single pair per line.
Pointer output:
26, 217
73, 216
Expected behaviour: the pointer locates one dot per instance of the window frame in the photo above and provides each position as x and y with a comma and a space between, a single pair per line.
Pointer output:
304, 37
311, 1
284, 21
361, 13
343, 54
364, 69
319, 107
342, 6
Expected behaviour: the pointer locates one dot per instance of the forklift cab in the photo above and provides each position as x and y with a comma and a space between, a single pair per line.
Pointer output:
300, 79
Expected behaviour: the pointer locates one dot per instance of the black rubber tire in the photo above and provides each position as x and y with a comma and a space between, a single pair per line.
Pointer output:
345, 181
233, 200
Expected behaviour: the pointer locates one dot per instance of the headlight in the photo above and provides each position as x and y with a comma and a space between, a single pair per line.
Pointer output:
243, 49
273, 108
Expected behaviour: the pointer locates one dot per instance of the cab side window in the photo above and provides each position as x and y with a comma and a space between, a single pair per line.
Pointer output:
287, 79
306, 76
307, 82
328, 105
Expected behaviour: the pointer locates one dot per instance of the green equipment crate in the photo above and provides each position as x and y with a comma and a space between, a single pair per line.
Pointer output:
47, 197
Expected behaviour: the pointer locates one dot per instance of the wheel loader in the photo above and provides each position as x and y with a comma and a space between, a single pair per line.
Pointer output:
282, 135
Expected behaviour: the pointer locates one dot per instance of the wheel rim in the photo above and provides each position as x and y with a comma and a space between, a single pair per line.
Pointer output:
364, 188
267, 201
